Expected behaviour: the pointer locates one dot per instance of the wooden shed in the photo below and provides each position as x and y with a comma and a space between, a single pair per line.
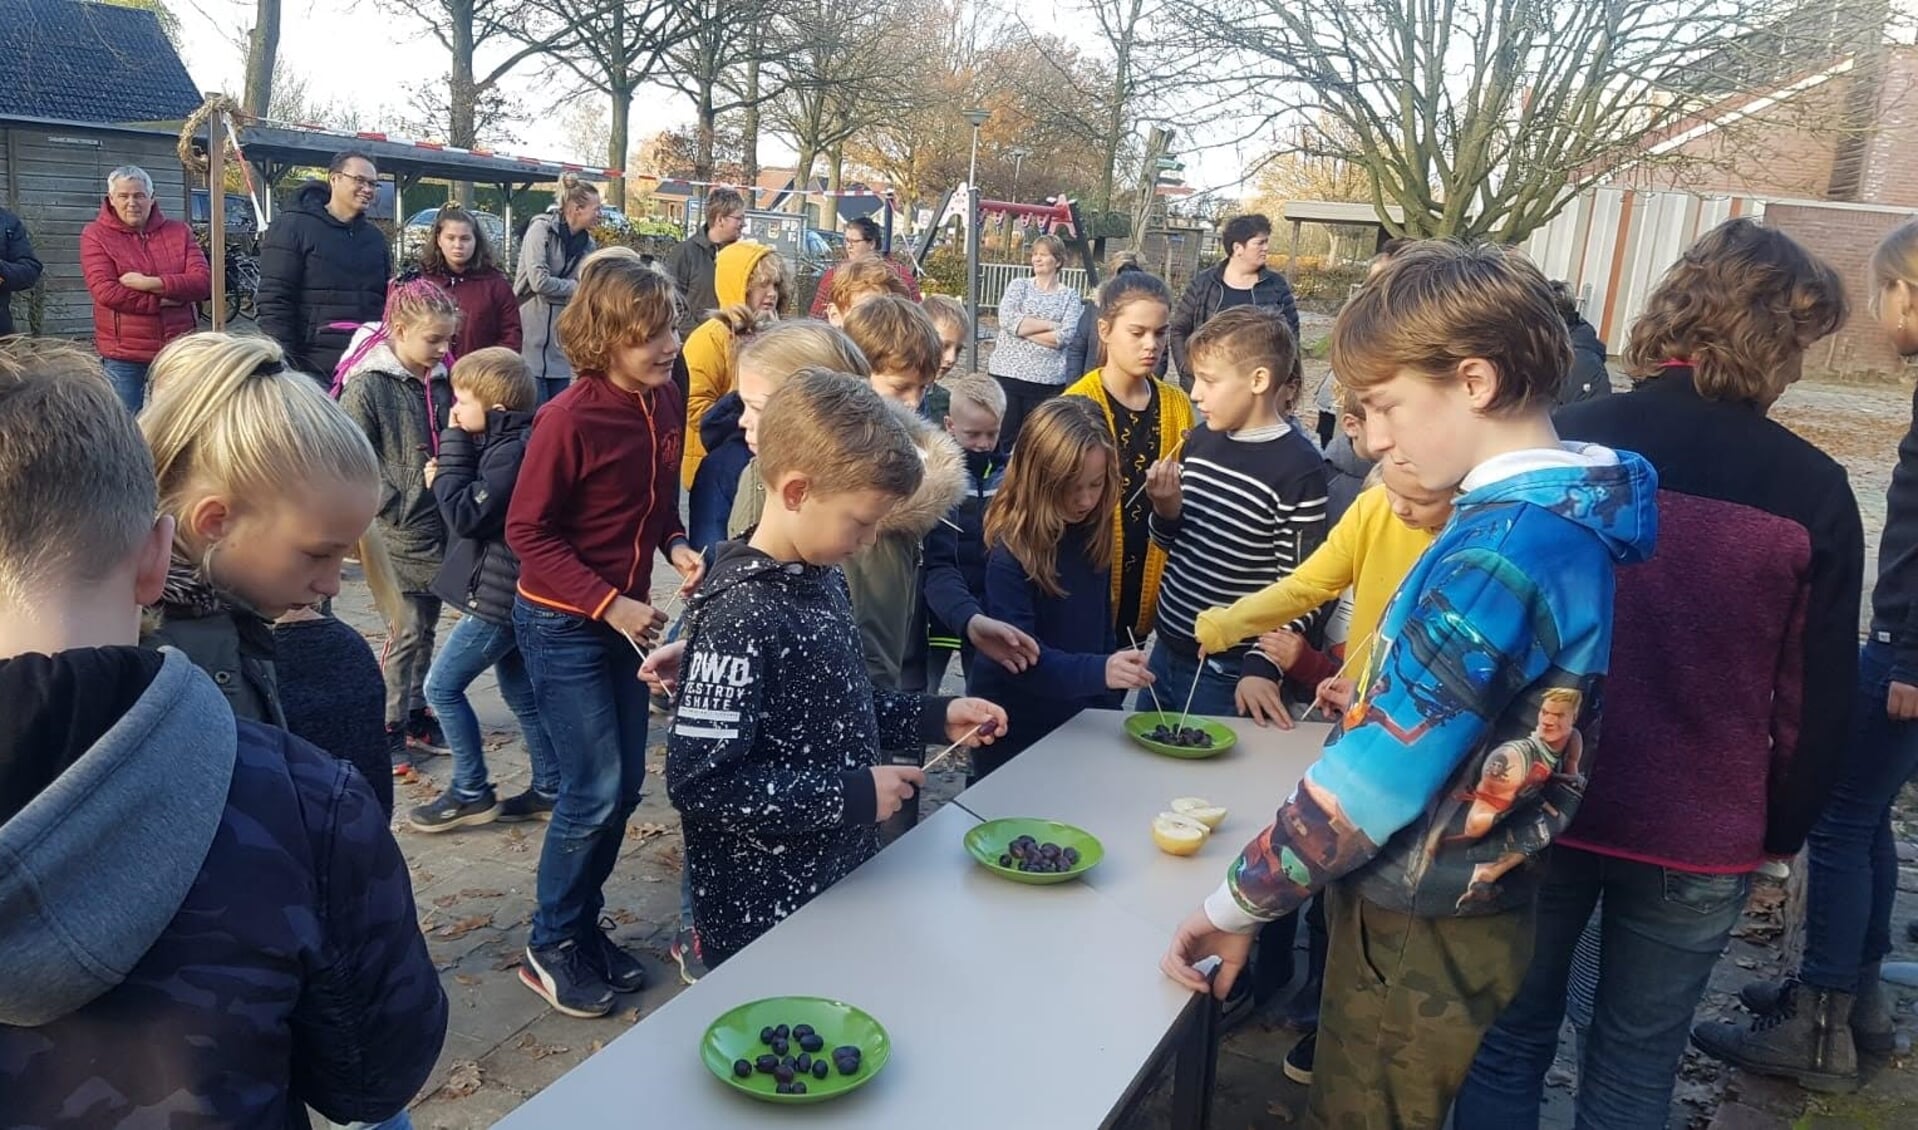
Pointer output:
76, 78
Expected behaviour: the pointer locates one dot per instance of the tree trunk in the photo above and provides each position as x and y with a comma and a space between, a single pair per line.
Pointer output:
616, 145
836, 180
262, 56
749, 155
707, 125
802, 176
462, 96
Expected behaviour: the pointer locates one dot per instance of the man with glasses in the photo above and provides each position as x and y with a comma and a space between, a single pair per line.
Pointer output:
692, 262
324, 267
144, 272
862, 242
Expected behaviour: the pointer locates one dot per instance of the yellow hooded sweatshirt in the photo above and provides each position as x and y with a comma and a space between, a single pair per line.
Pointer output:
1175, 419
709, 349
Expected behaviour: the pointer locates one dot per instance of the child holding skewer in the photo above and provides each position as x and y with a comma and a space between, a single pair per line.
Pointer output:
1049, 557
1148, 420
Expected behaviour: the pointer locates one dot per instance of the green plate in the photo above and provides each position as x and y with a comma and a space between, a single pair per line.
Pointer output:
735, 1036
1137, 725
987, 842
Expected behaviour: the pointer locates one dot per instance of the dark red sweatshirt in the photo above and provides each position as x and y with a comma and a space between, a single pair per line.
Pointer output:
597, 495
1735, 648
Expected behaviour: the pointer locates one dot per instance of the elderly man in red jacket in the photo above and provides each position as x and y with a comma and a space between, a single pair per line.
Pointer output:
144, 272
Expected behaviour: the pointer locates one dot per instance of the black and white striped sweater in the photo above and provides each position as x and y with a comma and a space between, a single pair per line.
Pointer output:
1252, 508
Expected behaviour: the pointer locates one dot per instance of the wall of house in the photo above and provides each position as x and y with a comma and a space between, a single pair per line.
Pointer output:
1845, 236
1890, 175
54, 179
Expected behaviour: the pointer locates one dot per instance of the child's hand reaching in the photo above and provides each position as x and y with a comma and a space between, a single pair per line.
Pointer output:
660, 670
691, 567
1259, 698
432, 472
638, 622
1126, 670
1002, 643
1334, 697
895, 785
1162, 487
964, 715
1283, 646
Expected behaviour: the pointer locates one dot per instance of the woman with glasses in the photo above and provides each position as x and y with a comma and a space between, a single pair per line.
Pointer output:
862, 242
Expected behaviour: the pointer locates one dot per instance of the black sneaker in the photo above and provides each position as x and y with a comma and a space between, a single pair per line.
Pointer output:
529, 805
396, 751
1298, 1061
567, 979
615, 966
449, 810
423, 734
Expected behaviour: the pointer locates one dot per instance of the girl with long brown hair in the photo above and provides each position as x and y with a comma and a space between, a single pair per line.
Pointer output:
1049, 549
461, 260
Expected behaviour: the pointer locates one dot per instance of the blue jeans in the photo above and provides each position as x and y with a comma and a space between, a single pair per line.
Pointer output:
1854, 865
470, 648
1660, 933
594, 709
129, 379
1173, 673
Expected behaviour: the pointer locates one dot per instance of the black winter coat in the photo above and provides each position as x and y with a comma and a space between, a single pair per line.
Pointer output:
19, 267
1589, 377
316, 270
475, 482
1202, 298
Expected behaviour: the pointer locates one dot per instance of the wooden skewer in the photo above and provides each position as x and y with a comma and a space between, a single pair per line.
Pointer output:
947, 752
1160, 710
1200, 670
1352, 654
1173, 454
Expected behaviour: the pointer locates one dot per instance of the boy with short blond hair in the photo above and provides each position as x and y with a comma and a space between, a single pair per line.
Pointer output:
1455, 352
776, 806
955, 548
496, 377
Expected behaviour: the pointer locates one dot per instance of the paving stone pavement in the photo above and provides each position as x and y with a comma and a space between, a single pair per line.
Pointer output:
474, 888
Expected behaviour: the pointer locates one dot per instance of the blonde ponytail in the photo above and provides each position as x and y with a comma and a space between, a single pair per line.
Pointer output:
228, 418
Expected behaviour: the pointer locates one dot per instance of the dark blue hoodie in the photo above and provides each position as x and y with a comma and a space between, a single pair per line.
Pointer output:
955, 554
717, 479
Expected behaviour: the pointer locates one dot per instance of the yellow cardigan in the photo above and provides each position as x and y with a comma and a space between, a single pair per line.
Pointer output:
708, 352
1370, 551
1175, 419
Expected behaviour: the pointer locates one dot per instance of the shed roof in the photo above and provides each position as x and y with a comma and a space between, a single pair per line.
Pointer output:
57, 57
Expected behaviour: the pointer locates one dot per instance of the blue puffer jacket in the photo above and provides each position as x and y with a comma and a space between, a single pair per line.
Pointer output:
1467, 746
205, 922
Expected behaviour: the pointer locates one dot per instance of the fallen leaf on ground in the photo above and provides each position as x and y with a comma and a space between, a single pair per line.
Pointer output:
644, 832
529, 1044
1279, 1111
595, 1047
623, 916
630, 1016
464, 926
466, 979
480, 893
510, 961
461, 1081
516, 840
445, 901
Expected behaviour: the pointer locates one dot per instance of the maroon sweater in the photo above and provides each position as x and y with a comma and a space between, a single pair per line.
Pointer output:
1735, 648
489, 313
597, 495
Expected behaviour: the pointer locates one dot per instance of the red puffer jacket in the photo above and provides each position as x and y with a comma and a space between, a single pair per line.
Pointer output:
489, 313
132, 325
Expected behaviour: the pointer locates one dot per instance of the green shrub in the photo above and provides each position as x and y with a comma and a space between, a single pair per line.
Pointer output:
944, 272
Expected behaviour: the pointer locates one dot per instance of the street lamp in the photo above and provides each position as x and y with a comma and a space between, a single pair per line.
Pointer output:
975, 118
1019, 153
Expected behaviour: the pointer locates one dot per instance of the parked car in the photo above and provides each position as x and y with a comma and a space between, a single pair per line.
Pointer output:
242, 223
615, 219
413, 236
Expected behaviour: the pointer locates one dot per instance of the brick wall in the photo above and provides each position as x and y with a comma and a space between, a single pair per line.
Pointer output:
1891, 160
1845, 238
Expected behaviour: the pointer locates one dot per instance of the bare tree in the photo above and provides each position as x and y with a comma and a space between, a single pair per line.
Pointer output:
616, 47
730, 62
851, 63
471, 104
262, 57
1483, 118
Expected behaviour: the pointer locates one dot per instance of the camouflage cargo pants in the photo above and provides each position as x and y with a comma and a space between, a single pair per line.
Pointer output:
1406, 1002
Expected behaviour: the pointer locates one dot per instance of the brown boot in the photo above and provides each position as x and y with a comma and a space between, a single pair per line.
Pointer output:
1806, 1038
1872, 1031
